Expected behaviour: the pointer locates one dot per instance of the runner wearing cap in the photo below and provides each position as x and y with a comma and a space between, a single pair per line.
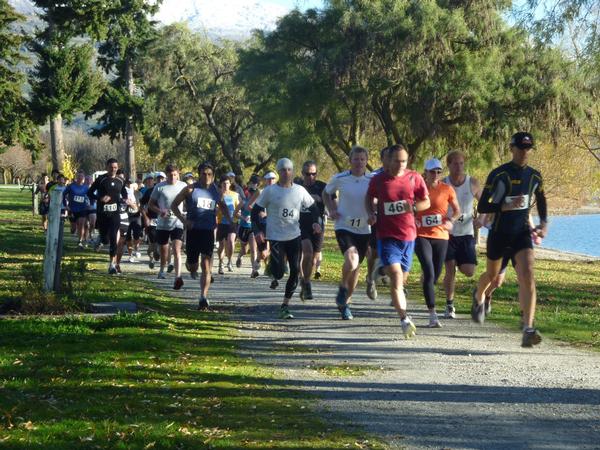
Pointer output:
312, 243
508, 194
168, 225
189, 178
201, 202
461, 251
109, 191
283, 202
399, 193
352, 229
433, 226
226, 225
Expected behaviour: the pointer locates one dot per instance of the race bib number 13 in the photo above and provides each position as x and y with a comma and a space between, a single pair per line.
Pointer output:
395, 208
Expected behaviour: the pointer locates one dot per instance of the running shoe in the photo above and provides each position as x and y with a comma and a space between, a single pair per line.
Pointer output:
408, 328
156, 256
274, 284
488, 305
220, 271
531, 337
161, 275
308, 295
118, 267
341, 297
138, 255
317, 275
238, 262
450, 312
151, 264
434, 321
132, 259
97, 246
477, 310
80, 245
371, 290
112, 270
178, 283
203, 303
229, 267
194, 275
170, 268
284, 312
254, 274
346, 313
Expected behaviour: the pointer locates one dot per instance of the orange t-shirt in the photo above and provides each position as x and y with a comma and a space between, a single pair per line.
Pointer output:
430, 222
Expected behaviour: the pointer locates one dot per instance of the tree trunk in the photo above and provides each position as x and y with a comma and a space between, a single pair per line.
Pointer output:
130, 169
56, 142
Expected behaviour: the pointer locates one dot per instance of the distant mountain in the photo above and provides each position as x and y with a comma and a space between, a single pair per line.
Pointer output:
231, 19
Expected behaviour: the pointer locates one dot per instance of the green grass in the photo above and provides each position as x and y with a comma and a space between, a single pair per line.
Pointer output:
167, 379
568, 306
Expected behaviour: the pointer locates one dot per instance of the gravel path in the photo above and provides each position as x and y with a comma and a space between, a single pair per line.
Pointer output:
459, 387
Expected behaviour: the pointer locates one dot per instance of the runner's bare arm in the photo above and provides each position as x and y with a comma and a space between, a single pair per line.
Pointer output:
331, 205
423, 204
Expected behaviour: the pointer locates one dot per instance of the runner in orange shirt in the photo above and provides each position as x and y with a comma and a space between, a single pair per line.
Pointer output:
433, 228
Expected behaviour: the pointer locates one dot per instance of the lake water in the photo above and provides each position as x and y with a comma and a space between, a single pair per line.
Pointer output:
576, 234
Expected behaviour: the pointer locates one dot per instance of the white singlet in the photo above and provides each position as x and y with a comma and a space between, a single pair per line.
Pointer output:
351, 193
464, 225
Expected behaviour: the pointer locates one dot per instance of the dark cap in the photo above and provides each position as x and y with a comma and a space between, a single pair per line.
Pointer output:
522, 140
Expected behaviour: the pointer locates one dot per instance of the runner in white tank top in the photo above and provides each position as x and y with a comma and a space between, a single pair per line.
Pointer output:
461, 246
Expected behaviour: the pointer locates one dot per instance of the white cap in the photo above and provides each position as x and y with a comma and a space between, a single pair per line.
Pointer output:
230, 174
284, 163
432, 164
270, 176
161, 174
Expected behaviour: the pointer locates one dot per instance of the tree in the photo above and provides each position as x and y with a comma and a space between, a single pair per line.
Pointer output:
15, 162
15, 123
195, 106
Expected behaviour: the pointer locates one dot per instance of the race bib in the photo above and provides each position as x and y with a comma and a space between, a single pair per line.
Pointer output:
523, 204
124, 216
132, 210
431, 221
464, 218
152, 222
206, 203
395, 208
288, 213
356, 222
79, 199
110, 207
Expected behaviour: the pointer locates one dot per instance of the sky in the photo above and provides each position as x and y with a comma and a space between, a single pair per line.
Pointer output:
230, 14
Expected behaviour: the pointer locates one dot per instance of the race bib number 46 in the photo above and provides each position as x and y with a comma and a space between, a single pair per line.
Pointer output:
206, 203
395, 208
110, 207
431, 221
288, 213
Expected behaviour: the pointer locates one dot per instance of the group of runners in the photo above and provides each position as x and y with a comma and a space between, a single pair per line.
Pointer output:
385, 216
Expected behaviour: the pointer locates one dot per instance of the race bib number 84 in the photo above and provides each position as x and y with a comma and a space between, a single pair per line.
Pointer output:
288, 213
395, 208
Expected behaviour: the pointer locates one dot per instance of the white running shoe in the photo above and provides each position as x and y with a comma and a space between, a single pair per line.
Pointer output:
229, 267
137, 255
434, 321
450, 312
132, 259
408, 328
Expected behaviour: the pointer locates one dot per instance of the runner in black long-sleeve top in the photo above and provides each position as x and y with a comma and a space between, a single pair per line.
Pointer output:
109, 191
508, 194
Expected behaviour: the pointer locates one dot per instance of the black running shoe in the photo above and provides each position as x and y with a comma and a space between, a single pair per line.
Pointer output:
203, 303
170, 268
317, 275
308, 295
531, 337
274, 284
477, 310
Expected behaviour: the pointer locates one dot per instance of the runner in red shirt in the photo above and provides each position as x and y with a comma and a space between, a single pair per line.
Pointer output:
400, 193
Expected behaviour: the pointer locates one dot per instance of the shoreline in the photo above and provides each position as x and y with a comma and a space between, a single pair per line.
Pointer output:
552, 254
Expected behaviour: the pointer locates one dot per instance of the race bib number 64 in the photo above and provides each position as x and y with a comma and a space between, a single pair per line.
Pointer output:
431, 221
395, 208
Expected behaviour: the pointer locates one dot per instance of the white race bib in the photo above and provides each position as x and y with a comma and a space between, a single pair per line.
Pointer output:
356, 222
79, 199
124, 216
288, 213
206, 203
152, 222
132, 210
523, 204
395, 208
110, 207
431, 221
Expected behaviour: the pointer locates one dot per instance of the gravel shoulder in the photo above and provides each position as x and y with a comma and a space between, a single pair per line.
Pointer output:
463, 386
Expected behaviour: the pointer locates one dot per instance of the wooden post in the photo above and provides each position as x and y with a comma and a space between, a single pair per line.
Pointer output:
34, 199
53, 241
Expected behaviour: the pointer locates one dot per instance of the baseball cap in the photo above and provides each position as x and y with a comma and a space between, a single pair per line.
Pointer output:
148, 176
270, 176
188, 175
284, 163
522, 140
230, 174
161, 174
432, 164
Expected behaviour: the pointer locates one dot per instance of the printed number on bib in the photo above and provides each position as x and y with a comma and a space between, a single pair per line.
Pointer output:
132, 210
152, 222
79, 199
395, 208
124, 216
356, 222
206, 203
110, 207
289, 213
523, 203
431, 221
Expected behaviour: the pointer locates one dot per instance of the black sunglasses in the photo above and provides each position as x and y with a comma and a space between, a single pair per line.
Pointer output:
310, 174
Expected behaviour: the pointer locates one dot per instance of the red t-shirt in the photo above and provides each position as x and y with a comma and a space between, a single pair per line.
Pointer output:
395, 199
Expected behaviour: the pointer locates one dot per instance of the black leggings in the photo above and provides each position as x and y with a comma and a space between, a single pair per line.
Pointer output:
292, 250
109, 230
431, 254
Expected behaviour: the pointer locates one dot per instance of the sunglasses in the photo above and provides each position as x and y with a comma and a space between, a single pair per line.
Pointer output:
310, 174
436, 171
